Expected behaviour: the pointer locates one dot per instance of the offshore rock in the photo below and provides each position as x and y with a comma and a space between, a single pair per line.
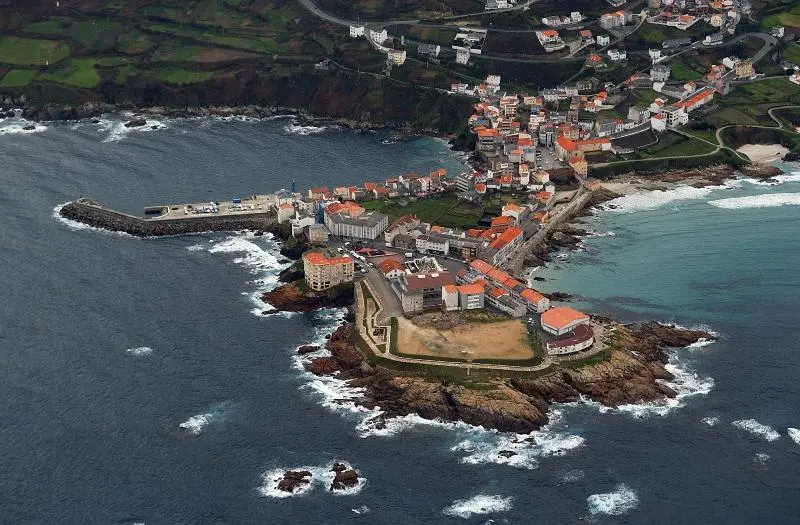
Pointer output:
345, 477
293, 479
307, 349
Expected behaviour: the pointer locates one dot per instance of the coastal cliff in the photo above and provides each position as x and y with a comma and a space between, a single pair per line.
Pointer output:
296, 297
632, 372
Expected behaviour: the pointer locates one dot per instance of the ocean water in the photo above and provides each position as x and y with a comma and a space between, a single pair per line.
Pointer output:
141, 385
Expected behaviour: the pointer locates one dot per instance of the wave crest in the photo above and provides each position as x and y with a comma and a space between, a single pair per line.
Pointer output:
770, 200
616, 503
478, 504
757, 429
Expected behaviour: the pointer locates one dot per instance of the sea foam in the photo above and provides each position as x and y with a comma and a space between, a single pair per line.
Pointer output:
794, 434
140, 351
769, 200
75, 225
478, 505
115, 130
197, 423
616, 503
516, 450
776, 180
757, 429
295, 129
652, 199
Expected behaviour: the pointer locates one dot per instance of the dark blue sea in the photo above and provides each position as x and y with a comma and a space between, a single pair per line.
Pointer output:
140, 384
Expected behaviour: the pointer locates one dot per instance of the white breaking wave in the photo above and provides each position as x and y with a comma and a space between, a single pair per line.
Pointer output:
794, 434
571, 476
140, 351
260, 261
770, 200
296, 129
757, 429
776, 180
761, 458
75, 225
700, 343
479, 504
616, 503
361, 509
518, 450
711, 421
321, 477
687, 383
196, 424
17, 125
592, 233
652, 199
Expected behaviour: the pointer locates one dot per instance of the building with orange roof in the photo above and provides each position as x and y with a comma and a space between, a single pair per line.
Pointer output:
562, 320
704, 96
318, 193
502, 223
323, 269
392, 268
503, 246
541, 216
535, 301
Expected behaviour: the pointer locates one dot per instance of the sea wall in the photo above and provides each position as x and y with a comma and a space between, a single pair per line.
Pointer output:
93, 214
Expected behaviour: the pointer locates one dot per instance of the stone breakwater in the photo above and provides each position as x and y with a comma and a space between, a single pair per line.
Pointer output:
96, 215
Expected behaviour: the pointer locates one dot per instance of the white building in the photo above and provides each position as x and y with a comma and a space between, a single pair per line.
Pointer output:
379, 37
603, 40
285, 212
562, 320
617, 54
356, 31
660, 73
462, 55
658, 123
655, 55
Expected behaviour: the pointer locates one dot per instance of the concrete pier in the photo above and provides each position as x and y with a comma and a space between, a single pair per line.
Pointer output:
253, 213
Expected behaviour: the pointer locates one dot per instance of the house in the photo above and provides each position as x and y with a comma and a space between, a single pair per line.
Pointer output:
356, 31
603, 40
323, 269
512, 210
392, 269
433, 244
379, 37
612, 20
317, 234
562, 320
422, 291
580, 338
503, 246
285, 212
396, 56
658, 123
702, 97
777, 31
744, 69
431, 50
660, 73
502, 223
675, 115
617, 54
401, 226
594, 60
580, 165
488, 139
655, 55
470, 296
496, 4
795, 78
638, 114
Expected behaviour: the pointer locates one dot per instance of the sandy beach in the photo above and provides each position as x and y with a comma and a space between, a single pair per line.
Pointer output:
764, 153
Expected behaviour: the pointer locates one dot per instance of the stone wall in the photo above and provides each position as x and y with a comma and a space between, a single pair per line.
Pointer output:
93, 214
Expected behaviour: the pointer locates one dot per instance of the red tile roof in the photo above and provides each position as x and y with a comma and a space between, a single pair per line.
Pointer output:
320, 259
506, 237
561, 316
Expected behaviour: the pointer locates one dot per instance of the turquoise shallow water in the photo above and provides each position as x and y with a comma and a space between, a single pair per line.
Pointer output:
109, 344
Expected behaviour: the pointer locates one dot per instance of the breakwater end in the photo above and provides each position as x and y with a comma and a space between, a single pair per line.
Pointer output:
251, 214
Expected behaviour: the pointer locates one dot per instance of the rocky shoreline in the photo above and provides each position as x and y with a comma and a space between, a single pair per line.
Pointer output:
632, 372
296, 297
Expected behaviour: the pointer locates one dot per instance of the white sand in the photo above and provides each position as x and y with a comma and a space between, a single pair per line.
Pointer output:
763, 153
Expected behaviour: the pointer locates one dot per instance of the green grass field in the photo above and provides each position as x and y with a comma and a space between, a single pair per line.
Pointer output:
182, 76
49, 27
671, 144
444, 210
790, 18
683, 70
79, 72
97, 35
18, 77
30, 51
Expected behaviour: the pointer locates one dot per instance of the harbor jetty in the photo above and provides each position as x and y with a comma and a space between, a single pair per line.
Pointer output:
251, 213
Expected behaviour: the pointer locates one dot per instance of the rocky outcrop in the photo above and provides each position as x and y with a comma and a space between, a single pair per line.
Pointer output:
294, 479
292, 273
307, 349
344, 478
295, 297
631, 372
